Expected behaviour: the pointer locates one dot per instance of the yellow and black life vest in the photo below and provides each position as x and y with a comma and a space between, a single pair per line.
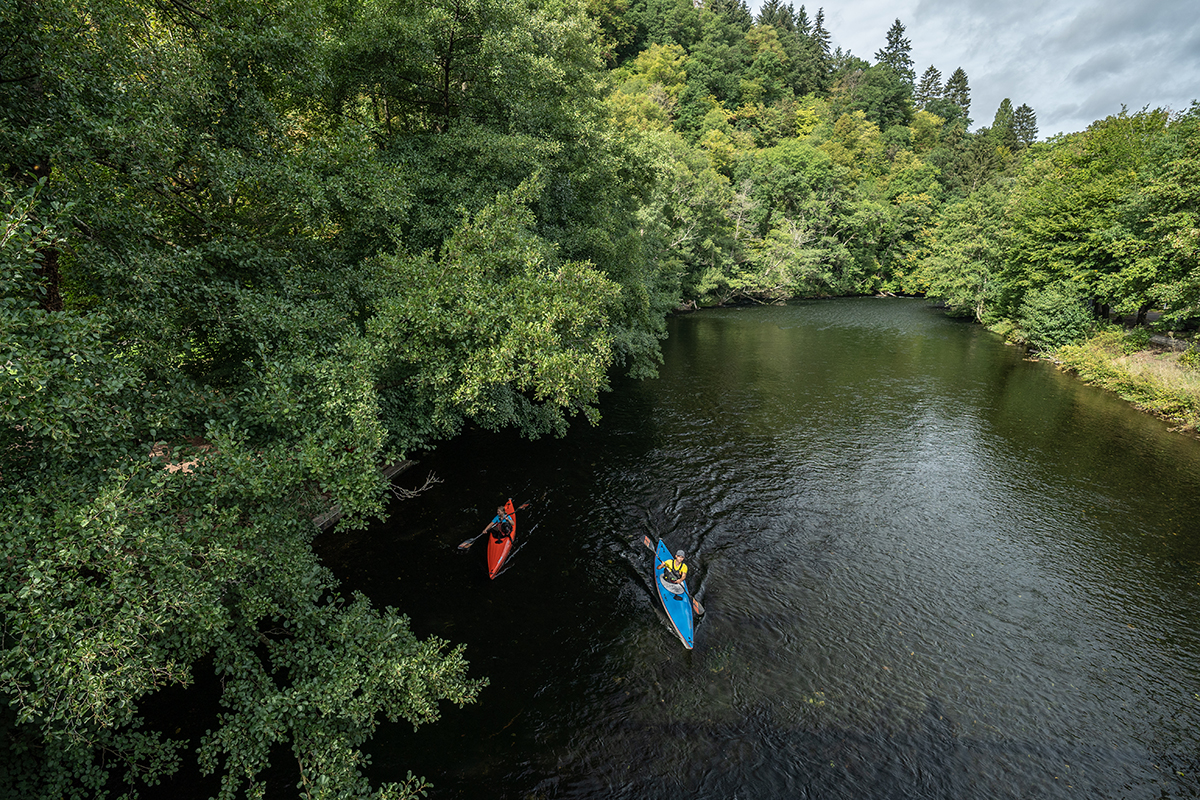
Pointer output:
671, 569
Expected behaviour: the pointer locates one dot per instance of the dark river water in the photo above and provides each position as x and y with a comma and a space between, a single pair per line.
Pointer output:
931, 569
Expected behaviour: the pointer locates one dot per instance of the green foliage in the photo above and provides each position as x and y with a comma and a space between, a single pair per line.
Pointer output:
784, 223
929, 88
880, 92
963, 254
1070, 212
1052, 317
1025, 125
1110, 212
805, 43
1160, 249
947, 111
497, 330
1136, 339
118, 575
957, 92
648, 97
684, 227
856, 144
252, 251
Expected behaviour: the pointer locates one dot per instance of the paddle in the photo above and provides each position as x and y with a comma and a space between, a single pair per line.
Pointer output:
699, 609
467, 544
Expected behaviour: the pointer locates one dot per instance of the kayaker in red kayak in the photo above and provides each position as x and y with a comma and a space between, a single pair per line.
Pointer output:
501, 529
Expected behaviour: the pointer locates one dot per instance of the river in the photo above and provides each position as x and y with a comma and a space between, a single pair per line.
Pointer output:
931, 569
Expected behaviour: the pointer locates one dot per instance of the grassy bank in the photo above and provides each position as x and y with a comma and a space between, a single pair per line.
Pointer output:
1163, 383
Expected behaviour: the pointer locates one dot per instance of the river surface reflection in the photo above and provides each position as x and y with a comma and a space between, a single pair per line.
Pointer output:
930, 569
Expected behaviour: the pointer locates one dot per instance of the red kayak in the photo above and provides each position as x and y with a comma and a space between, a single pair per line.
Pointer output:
501, 535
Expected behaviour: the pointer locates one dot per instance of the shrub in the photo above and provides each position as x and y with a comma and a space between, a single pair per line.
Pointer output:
1054, 316
1136, 340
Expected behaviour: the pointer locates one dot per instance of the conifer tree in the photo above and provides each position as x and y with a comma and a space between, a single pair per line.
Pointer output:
806, 44
806, 70
802, 24
1025, 125
897, 53
1003, 132
821, 39
930, 87
958, 92
778, 15
735, 12
821, 35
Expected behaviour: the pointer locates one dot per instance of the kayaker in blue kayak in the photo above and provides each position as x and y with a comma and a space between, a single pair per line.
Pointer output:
675, 573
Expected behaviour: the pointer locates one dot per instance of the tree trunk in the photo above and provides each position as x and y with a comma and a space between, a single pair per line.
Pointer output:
51, 299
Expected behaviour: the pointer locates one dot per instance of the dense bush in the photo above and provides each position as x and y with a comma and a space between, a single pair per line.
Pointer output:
1136, 339
1052, 317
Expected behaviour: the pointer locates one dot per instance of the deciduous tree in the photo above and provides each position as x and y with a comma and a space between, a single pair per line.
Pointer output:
963, 257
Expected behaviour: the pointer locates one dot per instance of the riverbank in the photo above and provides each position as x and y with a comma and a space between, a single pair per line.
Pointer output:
1155, 378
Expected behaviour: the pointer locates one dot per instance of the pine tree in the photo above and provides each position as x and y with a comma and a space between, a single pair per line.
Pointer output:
821, 35
930, 87
958, 92
1025, 125
735, 12
808, 49
777, 14
1003, 133
803, 70
802, 25
896, 54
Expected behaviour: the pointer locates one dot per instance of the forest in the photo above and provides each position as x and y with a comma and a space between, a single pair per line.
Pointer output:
255, 251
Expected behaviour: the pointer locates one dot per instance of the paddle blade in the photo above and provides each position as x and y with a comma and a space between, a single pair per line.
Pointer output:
466, 545
646, 541
699, 609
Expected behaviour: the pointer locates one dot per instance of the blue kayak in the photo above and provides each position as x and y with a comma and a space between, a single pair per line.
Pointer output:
678, 606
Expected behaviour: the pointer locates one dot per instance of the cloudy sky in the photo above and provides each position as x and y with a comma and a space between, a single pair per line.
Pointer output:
1072, 61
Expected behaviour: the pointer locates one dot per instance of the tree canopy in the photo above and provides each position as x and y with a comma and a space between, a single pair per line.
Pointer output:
252, 253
